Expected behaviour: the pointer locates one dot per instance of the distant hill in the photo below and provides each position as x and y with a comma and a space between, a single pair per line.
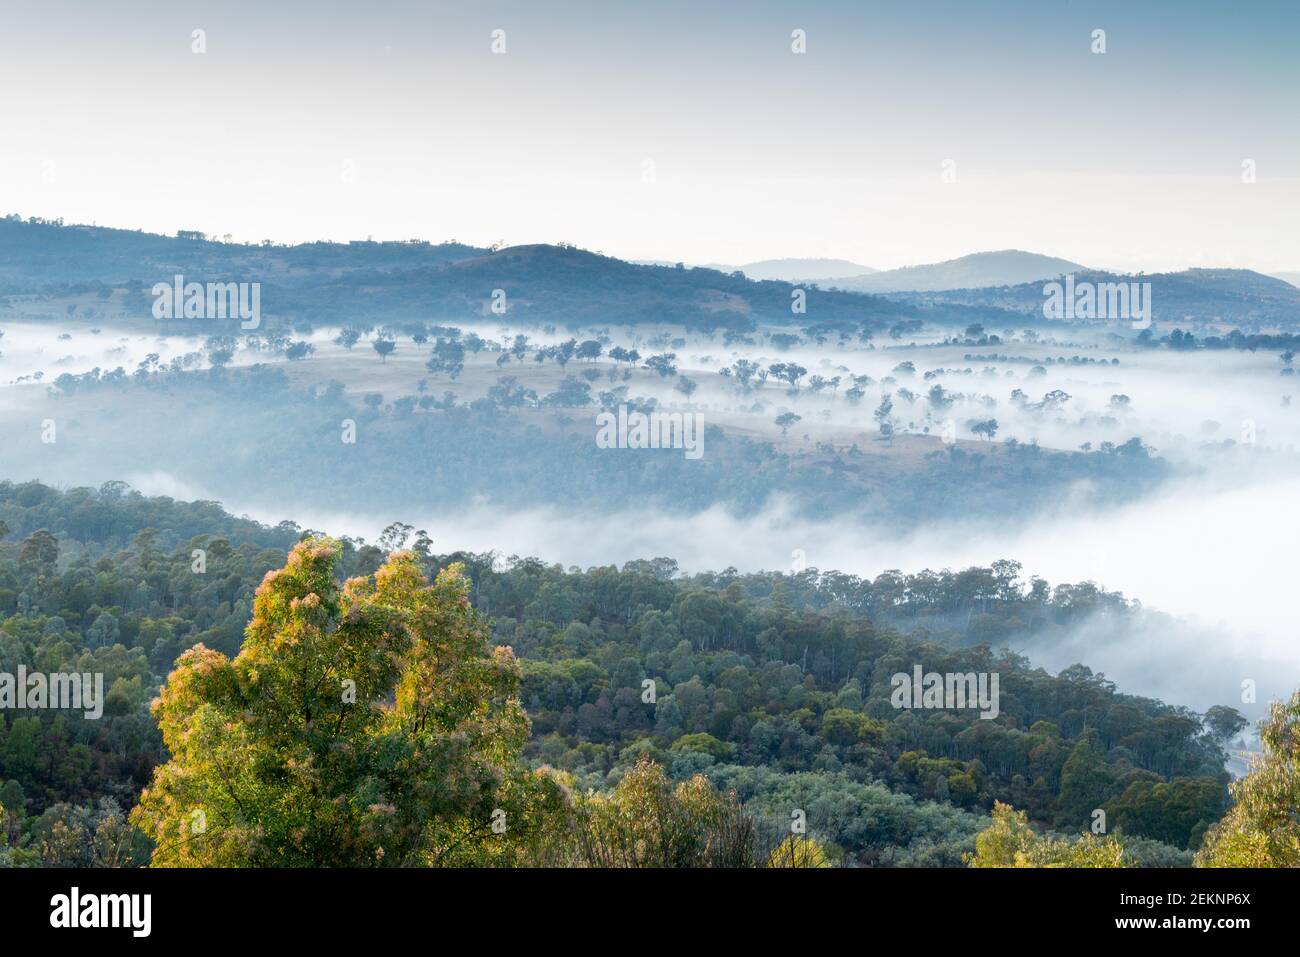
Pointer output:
804, 270
1236, 297
563, 284
34, 254
377, 282
794, 270
1292, 277
1007, 267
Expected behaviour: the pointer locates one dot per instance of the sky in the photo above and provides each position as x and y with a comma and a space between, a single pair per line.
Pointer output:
906, 133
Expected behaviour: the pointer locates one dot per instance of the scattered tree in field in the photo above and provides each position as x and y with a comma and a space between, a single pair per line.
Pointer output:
744, 372
785, 420
788, 372
384, 347
220, 350
448, 358
564, 352
665, 364
884, 416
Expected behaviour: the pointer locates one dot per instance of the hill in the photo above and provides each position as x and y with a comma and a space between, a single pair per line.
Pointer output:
35, 254
1233, 297
1005, 267
384, 282
804, 270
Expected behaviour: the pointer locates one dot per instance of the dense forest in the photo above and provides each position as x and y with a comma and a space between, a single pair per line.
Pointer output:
736, 701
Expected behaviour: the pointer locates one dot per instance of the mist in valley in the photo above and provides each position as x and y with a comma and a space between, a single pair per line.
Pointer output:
1206, 548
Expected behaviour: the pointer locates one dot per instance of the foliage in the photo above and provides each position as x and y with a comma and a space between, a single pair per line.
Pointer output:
1010, 842
647, 821
1261, 829
363, 727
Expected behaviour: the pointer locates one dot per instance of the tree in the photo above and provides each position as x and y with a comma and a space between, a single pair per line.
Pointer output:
39, 552
1055, 399
1261, 828
987, 428
564, 352
1010, 841
1224, 723
221, 350
384, 347
686, 386
362, 726
571, 394
448, 358
648, 822
664, 364
785, 420
884, 416
790, 372
798, 852
1085, 781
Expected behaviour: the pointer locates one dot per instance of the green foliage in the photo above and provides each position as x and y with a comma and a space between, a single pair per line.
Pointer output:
368, 726
773, 686
647, 821
1261, 829
1010, 842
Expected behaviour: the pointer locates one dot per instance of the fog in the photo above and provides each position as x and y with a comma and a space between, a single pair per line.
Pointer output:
1212, 547
1181, 403
1217, 555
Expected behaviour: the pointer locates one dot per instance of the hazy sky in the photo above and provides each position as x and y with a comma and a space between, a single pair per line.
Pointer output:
683, 131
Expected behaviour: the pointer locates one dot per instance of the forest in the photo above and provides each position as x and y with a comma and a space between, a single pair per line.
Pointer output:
515, 713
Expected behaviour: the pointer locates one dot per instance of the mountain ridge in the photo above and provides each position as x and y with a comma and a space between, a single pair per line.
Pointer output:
1003, 267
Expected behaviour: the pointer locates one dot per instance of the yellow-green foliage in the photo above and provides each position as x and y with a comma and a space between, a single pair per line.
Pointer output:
798, 852
1261, 828
1010, 841
363, 726
646, 821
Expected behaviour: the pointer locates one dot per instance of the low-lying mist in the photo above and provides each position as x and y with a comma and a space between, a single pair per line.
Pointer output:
1214, 555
